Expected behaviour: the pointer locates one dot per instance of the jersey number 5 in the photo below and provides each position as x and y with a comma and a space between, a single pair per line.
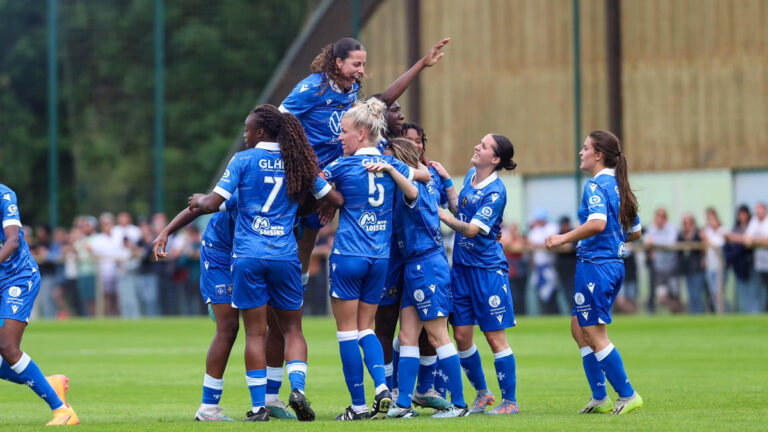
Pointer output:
375, 190
277, 182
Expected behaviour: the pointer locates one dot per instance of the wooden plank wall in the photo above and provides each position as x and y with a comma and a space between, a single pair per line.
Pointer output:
695, 79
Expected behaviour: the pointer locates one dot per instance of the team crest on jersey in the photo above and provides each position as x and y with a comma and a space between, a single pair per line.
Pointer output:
263, 226
369, 222
392, 291
579, 299
14, 291
494, 301
418, 295
464, 202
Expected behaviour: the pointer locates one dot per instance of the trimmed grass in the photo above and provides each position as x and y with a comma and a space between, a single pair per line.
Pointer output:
694, 373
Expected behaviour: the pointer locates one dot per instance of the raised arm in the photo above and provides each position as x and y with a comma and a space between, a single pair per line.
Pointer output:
398, 87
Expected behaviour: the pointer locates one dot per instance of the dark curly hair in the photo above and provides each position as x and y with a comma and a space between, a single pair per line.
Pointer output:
300, 160
325, 62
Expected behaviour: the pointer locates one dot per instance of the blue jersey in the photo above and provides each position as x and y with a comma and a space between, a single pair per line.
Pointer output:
265, 213
321, 114
417, 224
440, 185
600, 201
21, 261
481, 205
366, 218
221, 228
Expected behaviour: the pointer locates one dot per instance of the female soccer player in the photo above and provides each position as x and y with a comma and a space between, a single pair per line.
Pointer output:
320, 101
19, 285
426, 299
361, 249
608, 217
479, 274
271, 179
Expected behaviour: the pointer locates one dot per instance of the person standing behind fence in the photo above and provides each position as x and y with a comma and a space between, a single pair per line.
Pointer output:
544, 276
713, 235
608, 216
665, 285
514, 249
757, 236
741, 260
692, 265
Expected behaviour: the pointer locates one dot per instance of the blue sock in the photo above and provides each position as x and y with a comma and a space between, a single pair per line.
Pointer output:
8, 374
212, 390
395, 361
407, 371
32, 376
274, 382
257, 386
427, 367
449, 372
610, 361
473, 367
373, 355
441, 376
297, 374
352, 365
595, 375
505, 372
388, 371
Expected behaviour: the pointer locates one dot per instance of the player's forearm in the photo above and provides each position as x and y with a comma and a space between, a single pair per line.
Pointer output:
398, 87
181, 220
409, 190
452, 197
9, 247
464, 228
589, 229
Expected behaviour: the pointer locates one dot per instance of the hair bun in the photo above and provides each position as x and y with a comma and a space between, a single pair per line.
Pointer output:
375, 106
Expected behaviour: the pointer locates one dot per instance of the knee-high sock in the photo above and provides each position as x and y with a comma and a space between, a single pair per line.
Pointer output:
505, 372
31, 375
388, 371
352, 365
212, 390
449, 367
473, 367
395, 360
407, 370
297, 374
595, 375
274, 382
611, 363
8, 374
427, 368
373, 355
257, 386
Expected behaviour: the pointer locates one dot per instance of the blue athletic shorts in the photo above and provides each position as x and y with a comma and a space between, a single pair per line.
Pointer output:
357, 278
428, 287
215, 276
481, 296
597, 286
257, 282
311, 221
393, 286
18, 294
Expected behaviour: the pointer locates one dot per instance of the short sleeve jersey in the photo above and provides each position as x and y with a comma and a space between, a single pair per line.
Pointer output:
600, 201
221, 228
21, 260
265, 213
417, 224
321, 114
365, 221
481, 205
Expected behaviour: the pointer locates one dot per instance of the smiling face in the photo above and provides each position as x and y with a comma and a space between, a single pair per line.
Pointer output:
413, 135
351, 138
485, 153
589, 157
352, 68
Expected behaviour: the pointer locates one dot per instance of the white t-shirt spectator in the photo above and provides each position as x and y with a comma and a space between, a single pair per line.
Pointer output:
663, 260
537, 236
758, 229
716, 240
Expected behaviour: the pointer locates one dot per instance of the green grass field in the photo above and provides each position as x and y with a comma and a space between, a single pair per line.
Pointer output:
694, 373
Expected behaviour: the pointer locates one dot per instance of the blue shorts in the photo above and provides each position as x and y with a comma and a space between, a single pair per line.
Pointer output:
18, 295
597, 286
311, 221
481, 296
393, 285
357, 278
215, 276
428, 287
257, 282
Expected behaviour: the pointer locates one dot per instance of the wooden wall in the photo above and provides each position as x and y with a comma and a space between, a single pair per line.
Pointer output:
695, 79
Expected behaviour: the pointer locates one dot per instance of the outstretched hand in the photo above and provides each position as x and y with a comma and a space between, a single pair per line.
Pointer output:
158, 246
441, 171
554, 240
194, 201
434, 55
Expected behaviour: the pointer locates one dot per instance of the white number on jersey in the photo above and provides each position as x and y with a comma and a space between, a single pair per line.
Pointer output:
375, 188
278, 182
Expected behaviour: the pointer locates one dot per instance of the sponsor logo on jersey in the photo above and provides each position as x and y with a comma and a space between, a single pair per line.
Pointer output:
304, 87
30, 283
206, 263
579, 299
494, 301
591, 286
13, 210
594, 199
7, 196
14, 291
425, 310
418, 295
263, 226
494, 197
432, 287
369, 222
616, 188
328, 101
486, 211
593, 186
334, 122
585, 315
271, 164
499, 318
14, 308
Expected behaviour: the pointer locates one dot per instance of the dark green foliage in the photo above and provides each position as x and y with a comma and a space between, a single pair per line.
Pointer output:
218, 57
